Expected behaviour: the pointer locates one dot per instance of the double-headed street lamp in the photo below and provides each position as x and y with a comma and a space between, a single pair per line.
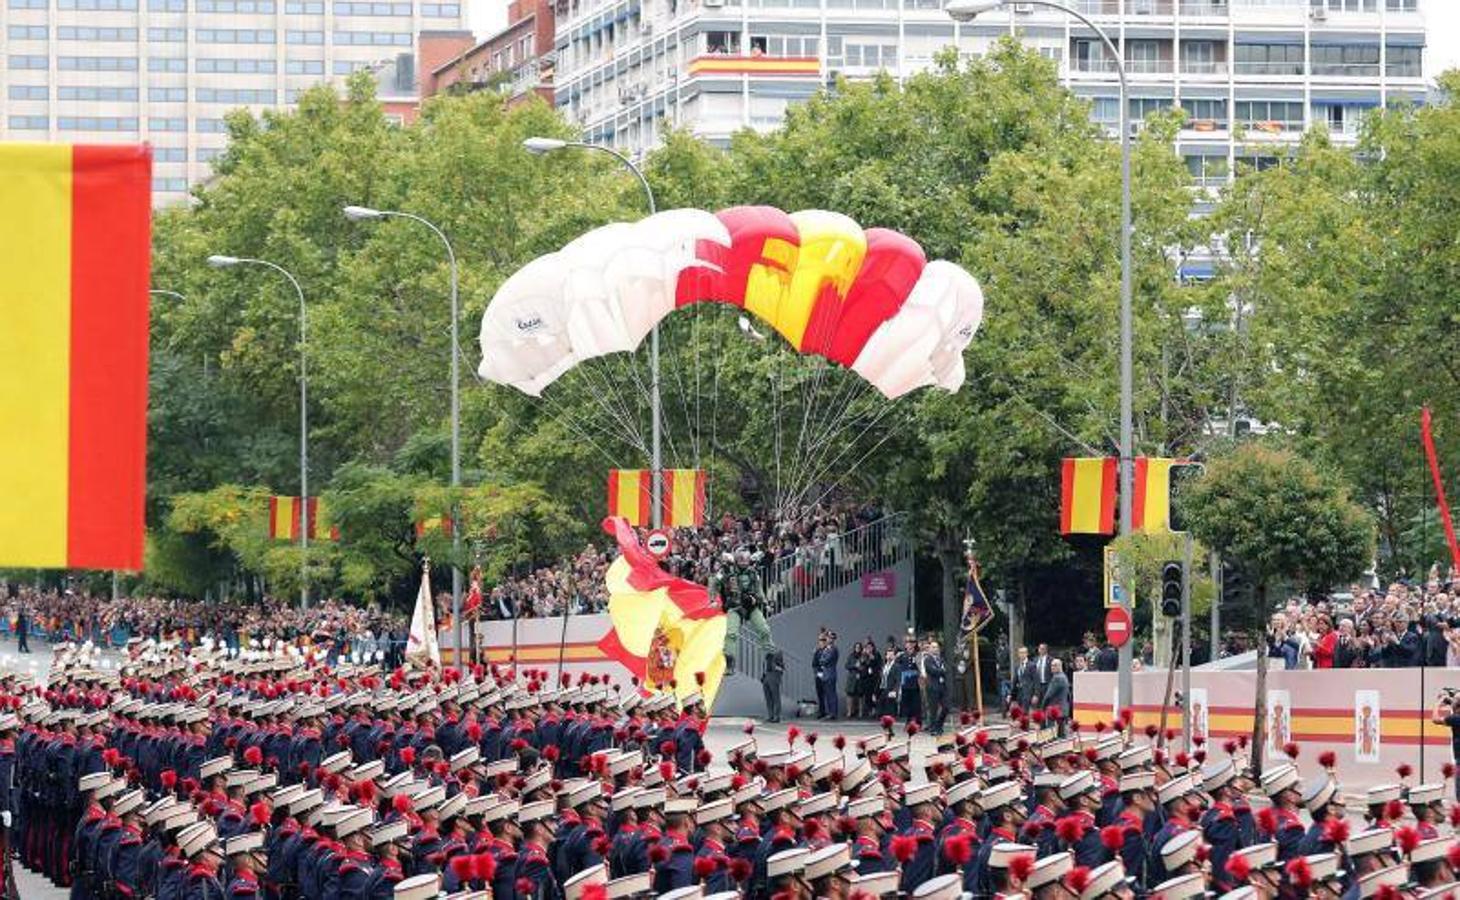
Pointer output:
365, 213
966, 10
225, 262
544, 145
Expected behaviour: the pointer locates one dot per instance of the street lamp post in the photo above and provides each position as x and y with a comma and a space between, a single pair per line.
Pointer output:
543, 145
965, 10
363, 213
225, 262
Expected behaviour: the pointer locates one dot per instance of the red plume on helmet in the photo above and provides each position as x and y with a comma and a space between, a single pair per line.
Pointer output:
1239, 868
1300, 874
1267, 821
704, 867
958, 849
253, 756
1069, 830
259, 813
1021, 865
740, 869
1112, 837
1335, 831
401, 803
904, 847
1077, 879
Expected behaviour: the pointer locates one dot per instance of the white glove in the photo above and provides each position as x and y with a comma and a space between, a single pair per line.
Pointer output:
5, 818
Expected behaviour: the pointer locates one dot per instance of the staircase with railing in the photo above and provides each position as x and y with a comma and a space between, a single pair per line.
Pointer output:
840, 560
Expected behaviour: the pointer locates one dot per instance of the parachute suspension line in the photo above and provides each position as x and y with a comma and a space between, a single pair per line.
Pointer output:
561, 415
714, 427
605, 395
853, 467
677, 368
694, 340
842, 411
830, 464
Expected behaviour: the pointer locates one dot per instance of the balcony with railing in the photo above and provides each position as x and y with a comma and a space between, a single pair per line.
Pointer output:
1203, 67
1149, 67
1203, 9
839, 561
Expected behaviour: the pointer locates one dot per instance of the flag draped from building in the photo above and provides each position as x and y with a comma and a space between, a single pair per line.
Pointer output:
682, 501
1087, 495
655, 614
422, 648
1151, 500
75, 249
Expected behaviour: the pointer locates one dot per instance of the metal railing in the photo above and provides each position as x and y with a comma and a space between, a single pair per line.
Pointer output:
797, 681
1206, 67
1204, 8
839, 560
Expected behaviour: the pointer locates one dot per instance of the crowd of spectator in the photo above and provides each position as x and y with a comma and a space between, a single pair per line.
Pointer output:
795, 556
1403, 626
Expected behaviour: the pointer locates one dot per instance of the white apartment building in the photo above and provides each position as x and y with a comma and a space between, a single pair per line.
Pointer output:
166, 71
1249, 73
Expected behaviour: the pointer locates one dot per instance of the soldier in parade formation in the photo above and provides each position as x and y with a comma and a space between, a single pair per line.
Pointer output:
195, 776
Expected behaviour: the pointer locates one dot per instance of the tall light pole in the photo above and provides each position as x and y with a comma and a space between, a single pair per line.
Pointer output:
966, 10
543, 145
364, 213
225, 262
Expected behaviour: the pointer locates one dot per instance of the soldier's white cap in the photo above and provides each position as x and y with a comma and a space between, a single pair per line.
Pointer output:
1182, 887
877, 884
1179, 786
532, 812
243, 843
215, 766
586, 793
1217, 774
1136, 781
1425, 794
306, 801
856, 773
649, 798
93, 781
922, 793
114, 786
1434, 893
1057, 747
1077, 784
1317, 792
1245, 892
680, 805
1179, 850
390, 831
452, 806
573, 887
778, 799
1259, 856
1383, 793
833, 858
1135, 757
623, 799
964, 790
504, 810
1375, 840
178, 817
1004, 853
1430, 850
944, 887
196, 838
714, 812
786, 862
1003, 794
1050, 869
419, 887
335, 762
1324, 866
630, 886
866, 808
1393, 876
1103, 880
429, 798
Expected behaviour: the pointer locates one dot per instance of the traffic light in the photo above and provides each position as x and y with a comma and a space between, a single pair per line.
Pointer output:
1171, 574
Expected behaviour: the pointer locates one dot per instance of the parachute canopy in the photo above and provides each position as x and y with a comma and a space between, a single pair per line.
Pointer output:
868, 300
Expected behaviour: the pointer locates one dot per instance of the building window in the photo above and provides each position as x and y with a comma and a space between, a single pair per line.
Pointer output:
95, 123
235, 36
28, 4
26, 32
210, 126
163, 123
726, 42
783, 45
28, 92
84, 33
29, 123
233, 95
441, 10
304, 37
304, 7
304, 67
167, 35
169, 154
1270, 115
1404, 61
372, 39
1401, 5
167, 95
27, 61
1205, 115
167, 64
870, 55
1269, 59
1351, 60
236, 6
1350, 5
96, 63
1199, 58
169, 185
207, 154
347, 8
167, 5
235, 66
91, 92
97, 4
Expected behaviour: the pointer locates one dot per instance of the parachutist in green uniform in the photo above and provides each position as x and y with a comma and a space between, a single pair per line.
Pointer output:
742, 597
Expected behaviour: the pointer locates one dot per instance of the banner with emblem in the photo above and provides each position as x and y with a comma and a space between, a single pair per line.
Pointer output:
1367, 715
422, 648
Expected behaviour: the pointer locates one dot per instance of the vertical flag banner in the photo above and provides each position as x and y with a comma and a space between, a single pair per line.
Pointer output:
1151, 485
422, 648
684, 498
1087, 495
75, 244
284, 519
629, 494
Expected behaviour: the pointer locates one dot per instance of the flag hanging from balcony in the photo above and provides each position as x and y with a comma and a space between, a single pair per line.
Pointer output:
1087, 495
631, 492
75, 248
1151, 503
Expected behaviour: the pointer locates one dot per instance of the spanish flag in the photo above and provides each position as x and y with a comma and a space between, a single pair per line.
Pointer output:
443, 524
1151, 503
631, 493
1087, 495
284, 517
75, 235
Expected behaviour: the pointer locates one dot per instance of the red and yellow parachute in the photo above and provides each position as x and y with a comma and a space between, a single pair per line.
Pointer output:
868, 300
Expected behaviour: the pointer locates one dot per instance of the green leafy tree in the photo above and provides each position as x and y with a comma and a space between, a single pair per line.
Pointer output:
1282, 520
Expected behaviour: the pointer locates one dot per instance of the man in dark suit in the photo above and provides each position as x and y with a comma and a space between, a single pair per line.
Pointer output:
1026, 679
1042, 672
824, 665
1057, 693
22, 631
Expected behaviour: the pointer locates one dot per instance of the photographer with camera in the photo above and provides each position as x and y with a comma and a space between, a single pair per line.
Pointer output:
1445, 713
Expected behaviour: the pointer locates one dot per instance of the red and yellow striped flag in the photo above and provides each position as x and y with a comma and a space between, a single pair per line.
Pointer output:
684, 498
629, 494
1151, 503
74, 267
1087, 495
284, 517
443, 524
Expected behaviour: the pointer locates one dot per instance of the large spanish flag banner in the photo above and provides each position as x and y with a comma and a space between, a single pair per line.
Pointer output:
1087, 495
630, 492
684, 498
1151, 505
74, 255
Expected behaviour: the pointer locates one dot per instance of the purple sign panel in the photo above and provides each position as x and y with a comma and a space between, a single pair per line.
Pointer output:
879, 584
